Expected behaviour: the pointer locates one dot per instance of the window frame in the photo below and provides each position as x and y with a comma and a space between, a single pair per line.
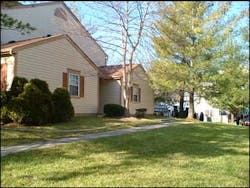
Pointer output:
138, 97
74, 73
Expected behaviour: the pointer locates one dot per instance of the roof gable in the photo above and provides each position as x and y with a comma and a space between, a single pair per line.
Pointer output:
16, 46
115, 71
54, 26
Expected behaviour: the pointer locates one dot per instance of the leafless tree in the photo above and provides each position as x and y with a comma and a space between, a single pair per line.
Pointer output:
123, 27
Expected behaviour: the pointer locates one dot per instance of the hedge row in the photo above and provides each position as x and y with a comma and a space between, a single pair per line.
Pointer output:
32, 103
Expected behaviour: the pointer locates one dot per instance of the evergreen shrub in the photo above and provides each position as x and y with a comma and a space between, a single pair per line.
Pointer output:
113, 110
17, 86
40, 105
64, 110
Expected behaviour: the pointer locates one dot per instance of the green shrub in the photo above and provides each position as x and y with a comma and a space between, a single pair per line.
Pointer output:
17, 86
5, 115
64, 110
5, 98
42, 85
17, 109
140, 112
40, 105
113, 110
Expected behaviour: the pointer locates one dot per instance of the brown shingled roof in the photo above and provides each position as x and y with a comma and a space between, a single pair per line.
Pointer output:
11, 46
114, 71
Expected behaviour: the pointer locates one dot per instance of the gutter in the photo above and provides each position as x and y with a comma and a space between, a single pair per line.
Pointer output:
7, 52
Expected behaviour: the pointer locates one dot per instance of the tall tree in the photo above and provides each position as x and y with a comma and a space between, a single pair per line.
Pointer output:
190, 35
230, 88
164, 78
10, 23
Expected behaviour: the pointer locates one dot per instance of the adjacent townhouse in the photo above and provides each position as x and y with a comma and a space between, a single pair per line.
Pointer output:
63, 53
60, 62
141, 95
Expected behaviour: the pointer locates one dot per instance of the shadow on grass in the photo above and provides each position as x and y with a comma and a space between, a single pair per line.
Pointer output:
194, 141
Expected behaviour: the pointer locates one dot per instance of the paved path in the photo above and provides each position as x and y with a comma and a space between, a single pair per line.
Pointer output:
45, 144
50, 131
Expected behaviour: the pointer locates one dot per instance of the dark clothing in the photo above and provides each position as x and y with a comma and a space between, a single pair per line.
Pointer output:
238, 120
201, 116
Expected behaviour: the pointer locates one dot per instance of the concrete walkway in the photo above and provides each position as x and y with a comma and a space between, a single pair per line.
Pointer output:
5, 150
50, 131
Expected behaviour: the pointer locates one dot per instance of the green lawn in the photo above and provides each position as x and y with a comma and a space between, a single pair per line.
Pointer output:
13, 135
204, 154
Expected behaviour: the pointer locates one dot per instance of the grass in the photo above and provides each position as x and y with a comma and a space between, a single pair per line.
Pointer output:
14, 134
201, 154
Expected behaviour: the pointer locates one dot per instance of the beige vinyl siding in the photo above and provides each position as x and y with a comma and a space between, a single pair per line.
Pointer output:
49, 60
147, 100
45, 22
110, 93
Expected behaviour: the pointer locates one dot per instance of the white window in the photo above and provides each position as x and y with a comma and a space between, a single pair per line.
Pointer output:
74, 84
136, 94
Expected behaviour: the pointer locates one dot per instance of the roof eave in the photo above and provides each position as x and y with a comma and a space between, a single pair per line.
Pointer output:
6, 52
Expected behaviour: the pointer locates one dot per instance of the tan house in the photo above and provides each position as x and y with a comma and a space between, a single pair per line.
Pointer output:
58, 61
141, 95
62, 52
53, 18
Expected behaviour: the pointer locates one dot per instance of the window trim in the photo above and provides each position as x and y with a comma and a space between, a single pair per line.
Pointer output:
78, 74
138, 95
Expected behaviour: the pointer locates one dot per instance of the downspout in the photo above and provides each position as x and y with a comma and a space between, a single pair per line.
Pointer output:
11, 67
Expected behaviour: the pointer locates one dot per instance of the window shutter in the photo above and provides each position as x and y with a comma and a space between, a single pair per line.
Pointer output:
139, 94
82, 86
131, 93
65, 80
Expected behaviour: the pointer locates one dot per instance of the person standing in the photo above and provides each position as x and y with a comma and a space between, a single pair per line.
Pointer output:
201, 116
238, 119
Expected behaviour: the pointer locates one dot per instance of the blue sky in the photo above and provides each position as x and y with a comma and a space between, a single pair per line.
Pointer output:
89, 18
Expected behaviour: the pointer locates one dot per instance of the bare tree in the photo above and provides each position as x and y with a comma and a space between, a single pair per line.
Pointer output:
122, 28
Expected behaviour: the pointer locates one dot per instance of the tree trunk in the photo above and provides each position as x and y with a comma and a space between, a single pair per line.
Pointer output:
181, 113
125, 72
191, 105
125, 92
232, 118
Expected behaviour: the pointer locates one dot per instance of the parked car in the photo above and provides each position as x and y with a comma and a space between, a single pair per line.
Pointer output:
163, 109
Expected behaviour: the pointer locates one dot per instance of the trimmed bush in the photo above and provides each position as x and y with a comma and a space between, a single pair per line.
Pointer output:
64, 110
5, 115
17, 109
42, 85
40, 105
5, 98
140, 112
17, 86
113, 110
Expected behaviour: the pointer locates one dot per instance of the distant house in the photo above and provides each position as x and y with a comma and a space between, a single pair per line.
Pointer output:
141, 95
63, 53
211, 114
